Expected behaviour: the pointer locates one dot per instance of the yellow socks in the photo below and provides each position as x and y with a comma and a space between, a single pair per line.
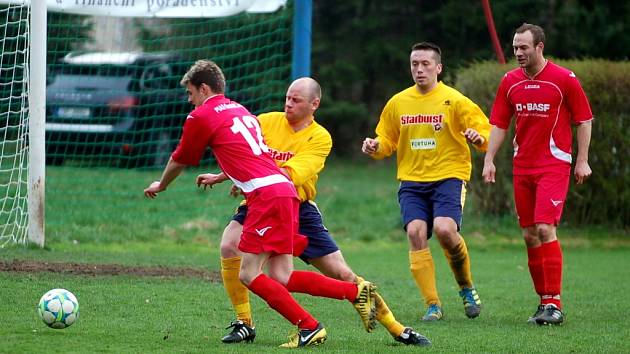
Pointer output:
459, 261
423, 272
238, 293
385, 317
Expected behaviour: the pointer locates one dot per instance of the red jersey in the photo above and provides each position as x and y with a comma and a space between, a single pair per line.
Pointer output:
544, 106
236, 140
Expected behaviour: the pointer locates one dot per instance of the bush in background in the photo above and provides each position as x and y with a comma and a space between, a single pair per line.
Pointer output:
605, 197
348, 124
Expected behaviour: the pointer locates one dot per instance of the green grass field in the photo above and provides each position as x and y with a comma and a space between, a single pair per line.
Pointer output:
131, 314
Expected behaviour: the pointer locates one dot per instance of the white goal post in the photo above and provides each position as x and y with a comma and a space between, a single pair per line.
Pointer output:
36, 120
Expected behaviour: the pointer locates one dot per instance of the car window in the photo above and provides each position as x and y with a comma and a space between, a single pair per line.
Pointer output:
69, 82
95, 70
156, 76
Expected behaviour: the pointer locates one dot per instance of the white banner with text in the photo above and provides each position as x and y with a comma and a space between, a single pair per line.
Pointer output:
158, 8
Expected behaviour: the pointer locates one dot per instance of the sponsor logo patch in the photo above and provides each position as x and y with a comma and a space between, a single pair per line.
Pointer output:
423, 144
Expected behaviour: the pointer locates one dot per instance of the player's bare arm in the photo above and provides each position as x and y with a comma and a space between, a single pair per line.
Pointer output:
210, 179
171, 171
497, 135
582, 169
370, 146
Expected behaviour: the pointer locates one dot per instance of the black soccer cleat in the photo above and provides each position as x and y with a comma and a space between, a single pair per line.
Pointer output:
240, 332
539, 311
411, 337
551, 316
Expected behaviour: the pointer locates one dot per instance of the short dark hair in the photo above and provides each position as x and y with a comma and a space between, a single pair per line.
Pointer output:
538, 34
431, 47
205, 72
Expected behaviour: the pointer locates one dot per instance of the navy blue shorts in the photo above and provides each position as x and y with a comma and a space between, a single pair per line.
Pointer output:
428, 200
320, 243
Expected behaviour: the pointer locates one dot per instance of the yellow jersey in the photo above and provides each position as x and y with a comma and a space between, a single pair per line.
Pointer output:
427, 130
303, 153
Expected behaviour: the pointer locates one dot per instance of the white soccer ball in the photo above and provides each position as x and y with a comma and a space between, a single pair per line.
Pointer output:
58, 308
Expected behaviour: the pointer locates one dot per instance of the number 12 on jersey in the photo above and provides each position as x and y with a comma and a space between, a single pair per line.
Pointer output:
241, 125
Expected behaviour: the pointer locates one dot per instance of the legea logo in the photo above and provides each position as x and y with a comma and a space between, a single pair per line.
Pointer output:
532, 107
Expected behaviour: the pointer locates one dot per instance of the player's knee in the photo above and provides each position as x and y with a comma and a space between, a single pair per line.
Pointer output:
444, 231
230, 240
229, 249
343, 272
447, 235
530, 237
444, 227
416, 229
545, 232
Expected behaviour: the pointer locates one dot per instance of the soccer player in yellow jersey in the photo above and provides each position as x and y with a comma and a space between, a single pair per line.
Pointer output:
299, 145
428, 125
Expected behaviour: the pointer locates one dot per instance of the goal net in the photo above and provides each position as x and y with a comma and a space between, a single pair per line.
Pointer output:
14, 25
114, 106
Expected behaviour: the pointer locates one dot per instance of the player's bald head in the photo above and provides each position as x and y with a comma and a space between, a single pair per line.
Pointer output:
308, 87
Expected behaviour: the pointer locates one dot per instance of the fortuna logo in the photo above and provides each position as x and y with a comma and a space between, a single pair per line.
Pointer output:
262, 231
555, 202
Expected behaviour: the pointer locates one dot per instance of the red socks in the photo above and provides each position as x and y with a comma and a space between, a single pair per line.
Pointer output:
545, 267
319, 285
552, 266
535, 263
279, 299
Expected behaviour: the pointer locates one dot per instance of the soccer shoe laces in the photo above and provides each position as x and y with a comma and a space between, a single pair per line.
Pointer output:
240, 332
411, 337
470, 297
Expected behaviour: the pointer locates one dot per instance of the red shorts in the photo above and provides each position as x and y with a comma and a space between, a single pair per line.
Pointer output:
271, 226
540, 198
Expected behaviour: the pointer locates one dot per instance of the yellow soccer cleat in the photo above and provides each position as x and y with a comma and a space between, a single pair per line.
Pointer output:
365, 304
305, 337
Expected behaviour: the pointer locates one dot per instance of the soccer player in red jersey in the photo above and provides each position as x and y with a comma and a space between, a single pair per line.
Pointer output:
269, 235
546, 99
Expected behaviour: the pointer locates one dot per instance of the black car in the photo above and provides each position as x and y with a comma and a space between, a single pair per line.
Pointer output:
124, 108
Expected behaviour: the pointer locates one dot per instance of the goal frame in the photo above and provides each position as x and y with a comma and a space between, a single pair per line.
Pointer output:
36, 72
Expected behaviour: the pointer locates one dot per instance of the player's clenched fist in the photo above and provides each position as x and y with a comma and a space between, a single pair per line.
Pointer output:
370, 146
